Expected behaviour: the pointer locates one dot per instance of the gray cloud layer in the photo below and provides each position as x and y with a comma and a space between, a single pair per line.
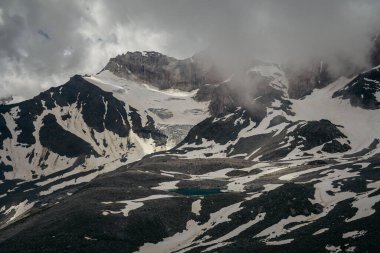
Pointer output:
44, 42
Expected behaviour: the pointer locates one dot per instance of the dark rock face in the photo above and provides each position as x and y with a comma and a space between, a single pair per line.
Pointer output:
92, 100
269, 147
147, 131
4, 168
306, 135
28, 113
317, 75
278, 120
164, 72
362, 90
316, 133
303, 81
60, 141
223, 100
89, 98
335, 147
4, 131
221, 131
294, 201
205, 92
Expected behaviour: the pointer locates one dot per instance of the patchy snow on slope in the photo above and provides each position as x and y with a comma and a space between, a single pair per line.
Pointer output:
95, 171
377, 95
164, 186
196, 207
281, 242
219, 174
89, 238
238, 183
208, 148
321, 231
131, 205
364, 205
192, 231
354, 234
357, 123
221, 241
323, 195
333, 249
19, 210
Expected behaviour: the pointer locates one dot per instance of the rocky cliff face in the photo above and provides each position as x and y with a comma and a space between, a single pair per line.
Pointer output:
164, 72
303, 81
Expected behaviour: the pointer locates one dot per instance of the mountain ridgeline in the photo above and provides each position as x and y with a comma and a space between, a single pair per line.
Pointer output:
156, 154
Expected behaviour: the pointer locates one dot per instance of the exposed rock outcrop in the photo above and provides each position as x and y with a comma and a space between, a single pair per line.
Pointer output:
163, 71
363, 91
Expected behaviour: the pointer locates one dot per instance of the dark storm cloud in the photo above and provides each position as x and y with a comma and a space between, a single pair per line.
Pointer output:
42, 43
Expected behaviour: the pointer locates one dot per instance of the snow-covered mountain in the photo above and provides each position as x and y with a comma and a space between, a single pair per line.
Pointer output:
69, 134
341, 118
193, 160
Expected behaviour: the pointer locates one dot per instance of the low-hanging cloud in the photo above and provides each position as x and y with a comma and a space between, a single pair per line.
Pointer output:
42, 43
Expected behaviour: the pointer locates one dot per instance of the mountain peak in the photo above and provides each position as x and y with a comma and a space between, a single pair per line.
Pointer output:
163, 71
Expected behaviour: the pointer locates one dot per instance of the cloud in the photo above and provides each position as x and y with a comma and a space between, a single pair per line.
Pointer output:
44, 34
42, 43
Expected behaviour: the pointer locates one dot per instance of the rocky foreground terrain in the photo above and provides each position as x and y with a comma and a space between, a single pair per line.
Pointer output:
155, 154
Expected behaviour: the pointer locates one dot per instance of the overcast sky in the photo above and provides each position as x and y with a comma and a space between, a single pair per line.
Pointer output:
44, 42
